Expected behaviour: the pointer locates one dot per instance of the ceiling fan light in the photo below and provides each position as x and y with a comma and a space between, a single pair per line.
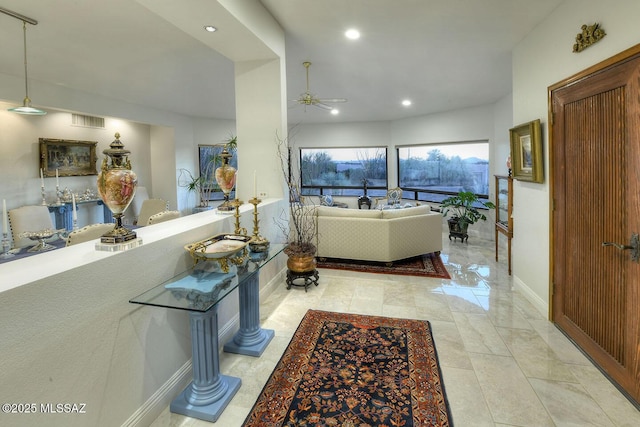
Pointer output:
210, 28
307, 98
406, 102
335, 111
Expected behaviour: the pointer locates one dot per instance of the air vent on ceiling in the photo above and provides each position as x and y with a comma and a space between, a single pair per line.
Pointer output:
87, 121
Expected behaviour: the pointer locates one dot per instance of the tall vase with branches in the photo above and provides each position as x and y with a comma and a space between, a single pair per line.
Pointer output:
300, 228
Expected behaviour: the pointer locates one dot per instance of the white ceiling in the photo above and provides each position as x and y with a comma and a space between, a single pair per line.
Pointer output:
441, 54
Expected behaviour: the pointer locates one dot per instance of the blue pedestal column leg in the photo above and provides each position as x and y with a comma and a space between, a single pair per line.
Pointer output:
209, 392
68, 217
62, 215
251, 339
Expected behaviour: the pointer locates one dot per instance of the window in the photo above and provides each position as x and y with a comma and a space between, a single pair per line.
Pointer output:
343, 171
436, 171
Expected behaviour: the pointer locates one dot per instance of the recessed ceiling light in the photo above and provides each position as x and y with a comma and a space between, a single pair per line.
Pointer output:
335, 111
406, 102
352, 34
210, 28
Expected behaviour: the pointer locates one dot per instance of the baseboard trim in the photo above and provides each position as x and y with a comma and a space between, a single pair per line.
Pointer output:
532, 297
270, 287
153, 407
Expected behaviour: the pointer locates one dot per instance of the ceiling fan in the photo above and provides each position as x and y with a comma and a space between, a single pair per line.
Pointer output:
307, 98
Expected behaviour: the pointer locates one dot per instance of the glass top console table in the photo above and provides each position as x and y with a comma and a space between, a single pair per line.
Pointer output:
199, 290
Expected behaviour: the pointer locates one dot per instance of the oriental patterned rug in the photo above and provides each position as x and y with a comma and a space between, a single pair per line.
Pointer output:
354, 370
427, 265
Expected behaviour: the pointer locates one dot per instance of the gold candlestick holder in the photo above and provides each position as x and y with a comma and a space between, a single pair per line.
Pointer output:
257, 242
236, 204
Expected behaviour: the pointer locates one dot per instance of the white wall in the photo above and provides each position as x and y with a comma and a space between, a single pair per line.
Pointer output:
261, 114
500, 148
542, 59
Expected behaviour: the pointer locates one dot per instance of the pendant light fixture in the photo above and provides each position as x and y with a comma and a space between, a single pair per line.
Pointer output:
26, 107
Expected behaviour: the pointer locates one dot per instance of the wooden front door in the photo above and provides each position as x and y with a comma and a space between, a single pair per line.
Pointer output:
595, 170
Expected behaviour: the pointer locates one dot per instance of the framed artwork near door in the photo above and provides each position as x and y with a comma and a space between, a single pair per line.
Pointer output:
526, 152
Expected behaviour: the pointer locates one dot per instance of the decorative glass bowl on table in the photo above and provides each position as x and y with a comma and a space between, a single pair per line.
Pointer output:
40, 236
222, 249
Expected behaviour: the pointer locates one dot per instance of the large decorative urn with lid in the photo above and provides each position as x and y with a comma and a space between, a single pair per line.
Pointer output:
117, 186
226, 178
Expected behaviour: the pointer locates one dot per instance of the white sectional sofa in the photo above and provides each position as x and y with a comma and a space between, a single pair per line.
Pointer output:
378, 235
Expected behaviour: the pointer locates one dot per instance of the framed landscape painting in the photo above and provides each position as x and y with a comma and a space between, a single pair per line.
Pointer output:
526, 152
68, 157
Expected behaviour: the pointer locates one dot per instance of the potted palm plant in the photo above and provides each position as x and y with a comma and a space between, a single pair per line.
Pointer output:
464, 208
201, 184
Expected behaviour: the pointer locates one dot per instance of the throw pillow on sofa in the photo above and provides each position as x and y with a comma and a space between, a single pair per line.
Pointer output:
399, 213
326, 200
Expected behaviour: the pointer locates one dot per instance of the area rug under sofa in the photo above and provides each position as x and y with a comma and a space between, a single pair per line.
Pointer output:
427, 265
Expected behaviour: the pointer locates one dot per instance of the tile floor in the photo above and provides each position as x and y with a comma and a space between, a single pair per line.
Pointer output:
503, 364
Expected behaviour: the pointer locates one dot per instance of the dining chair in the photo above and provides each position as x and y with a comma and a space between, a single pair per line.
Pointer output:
163, 216
394, 195
28, 218
138, 198
150, 207
89, 232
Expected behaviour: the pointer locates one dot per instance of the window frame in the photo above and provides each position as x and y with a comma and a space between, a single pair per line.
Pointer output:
344, 190
436, 196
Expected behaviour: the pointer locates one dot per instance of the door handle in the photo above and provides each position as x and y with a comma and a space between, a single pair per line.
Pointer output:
634, 247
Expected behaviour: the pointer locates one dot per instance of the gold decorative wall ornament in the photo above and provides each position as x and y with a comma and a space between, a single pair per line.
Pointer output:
590, 34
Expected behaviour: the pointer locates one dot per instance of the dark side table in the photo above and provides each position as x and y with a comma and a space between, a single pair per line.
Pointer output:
198, 291
364, 200
308, 278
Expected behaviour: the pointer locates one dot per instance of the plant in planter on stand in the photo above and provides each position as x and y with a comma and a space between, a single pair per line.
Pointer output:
464, 210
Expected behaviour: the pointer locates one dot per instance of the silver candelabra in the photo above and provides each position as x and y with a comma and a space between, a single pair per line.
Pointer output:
6, 246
